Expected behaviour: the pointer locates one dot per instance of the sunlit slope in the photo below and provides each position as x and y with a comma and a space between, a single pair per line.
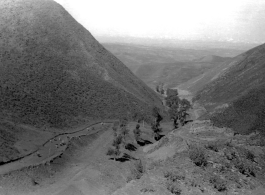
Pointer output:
174, 74
52, 70
197, 83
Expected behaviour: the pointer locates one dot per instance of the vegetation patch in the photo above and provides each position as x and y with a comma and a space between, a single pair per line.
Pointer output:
136, 171
145, 190
174, 188
218, 183
245, 115
198, 156
174, 176
212, 146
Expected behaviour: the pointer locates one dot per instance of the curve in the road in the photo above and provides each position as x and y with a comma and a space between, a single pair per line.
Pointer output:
6, 167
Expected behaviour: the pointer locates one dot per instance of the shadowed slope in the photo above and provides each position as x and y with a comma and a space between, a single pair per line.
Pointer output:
52, 70
242, 87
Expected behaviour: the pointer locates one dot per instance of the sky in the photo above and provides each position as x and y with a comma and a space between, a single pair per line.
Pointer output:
212, 20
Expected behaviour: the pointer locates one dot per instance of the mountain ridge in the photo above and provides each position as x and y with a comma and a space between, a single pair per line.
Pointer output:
236, 98
53, 70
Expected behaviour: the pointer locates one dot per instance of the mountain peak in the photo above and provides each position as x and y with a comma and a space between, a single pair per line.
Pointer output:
54, 72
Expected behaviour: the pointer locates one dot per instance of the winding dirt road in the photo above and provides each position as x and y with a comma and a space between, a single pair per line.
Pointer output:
51, 148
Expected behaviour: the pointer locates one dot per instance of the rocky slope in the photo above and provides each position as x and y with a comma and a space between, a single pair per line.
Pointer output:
201, 159
53, 72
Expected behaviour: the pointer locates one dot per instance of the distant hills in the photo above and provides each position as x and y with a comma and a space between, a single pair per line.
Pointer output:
173, 74
212, 58
54, 73
171, 66
236, 93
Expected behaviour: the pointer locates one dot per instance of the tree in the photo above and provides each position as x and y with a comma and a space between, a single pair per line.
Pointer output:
184, 103
123, 122
172, 99
156, 125
160, 88
174, 115
157, 89
172, 92
139, 117
115, 152
124, 131
156, 130
178, 107
117, 141
137, 132
182, 116
156, 114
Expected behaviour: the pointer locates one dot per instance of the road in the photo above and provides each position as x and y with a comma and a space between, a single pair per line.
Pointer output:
51, 148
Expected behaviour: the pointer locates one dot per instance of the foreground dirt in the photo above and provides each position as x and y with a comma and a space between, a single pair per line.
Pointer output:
167, 165
51, 148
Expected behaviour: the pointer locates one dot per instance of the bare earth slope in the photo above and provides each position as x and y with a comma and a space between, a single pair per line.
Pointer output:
241, 88
53, 72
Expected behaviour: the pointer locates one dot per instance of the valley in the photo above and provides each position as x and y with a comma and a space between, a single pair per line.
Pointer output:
85, 168
168, 65
93, 115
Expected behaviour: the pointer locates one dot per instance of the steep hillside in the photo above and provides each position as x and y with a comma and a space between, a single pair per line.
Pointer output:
239, 91
197, 83
54, 73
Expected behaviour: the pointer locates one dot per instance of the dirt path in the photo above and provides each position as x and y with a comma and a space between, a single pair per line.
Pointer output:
83, 178
50, 149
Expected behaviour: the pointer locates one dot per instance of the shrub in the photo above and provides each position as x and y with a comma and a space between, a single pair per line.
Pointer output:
144, 190
218, 184
115, 128
197, 156
117, 141
212, 146
245, 168
139, 166
110, 152
123, 122
136, 171
173, 176
250, 156
124, 131
230, 155
115, 152
174, 188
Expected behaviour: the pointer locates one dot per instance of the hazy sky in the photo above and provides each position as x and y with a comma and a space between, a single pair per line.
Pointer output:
224, 20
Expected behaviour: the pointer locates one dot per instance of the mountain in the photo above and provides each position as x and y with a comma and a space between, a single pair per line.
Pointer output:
218, 68
237, 95
212, 58
170, 74
174, 74
54, 73
135, 55
171, 66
